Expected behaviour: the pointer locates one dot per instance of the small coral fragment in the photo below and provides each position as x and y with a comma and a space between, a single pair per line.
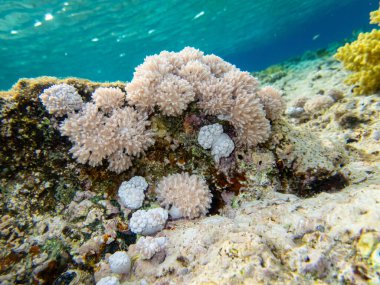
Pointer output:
109, 280
223, 146
208, 134
318, 104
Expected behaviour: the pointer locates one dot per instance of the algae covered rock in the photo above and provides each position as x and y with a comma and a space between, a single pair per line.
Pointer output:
306, 162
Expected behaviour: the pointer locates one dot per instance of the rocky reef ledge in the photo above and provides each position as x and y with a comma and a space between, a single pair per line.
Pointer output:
300, 208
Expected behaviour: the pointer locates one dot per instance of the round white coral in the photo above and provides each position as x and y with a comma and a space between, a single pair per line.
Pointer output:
148, 222
120, 262
187, 195
208, 134
131, 192
222, 147
61, 99
149, 246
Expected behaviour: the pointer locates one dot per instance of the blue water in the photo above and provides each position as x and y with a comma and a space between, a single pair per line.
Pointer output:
105, 40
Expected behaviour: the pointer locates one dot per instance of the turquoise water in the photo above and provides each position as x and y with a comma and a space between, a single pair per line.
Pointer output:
105, 40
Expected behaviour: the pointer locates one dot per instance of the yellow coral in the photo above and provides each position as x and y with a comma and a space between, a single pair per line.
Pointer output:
363, 58
375, 17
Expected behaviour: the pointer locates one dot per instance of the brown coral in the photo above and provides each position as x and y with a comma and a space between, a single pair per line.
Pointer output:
187, 195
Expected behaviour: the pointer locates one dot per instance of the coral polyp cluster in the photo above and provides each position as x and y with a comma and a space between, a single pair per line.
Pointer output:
61, 99
170, 81
186, 195
362, 57
103, 129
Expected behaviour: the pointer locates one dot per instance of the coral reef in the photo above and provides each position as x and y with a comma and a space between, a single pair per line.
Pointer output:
187, 195
362, 57
108, 98
272, 101
62, 220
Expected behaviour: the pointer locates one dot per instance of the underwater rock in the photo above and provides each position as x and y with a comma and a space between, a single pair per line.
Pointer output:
74, 277
313, 165
267, 236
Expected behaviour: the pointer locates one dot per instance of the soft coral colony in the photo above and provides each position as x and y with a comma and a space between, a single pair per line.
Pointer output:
108, 129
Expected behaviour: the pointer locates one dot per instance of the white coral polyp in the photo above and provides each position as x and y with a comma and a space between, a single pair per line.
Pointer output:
189, 195
131, 192
212, 136
61, 99
208, 134
148, 222
223, 146
120, 262
149, 246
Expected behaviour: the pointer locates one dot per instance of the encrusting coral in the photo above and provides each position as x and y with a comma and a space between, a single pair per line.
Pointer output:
187, 195
149, 246
363, 58
170, 81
